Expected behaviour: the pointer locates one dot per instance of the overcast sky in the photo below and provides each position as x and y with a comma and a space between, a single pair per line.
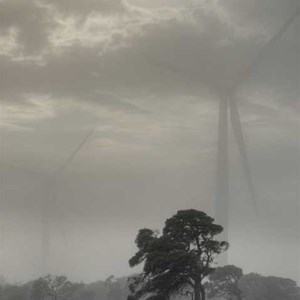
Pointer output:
148, 75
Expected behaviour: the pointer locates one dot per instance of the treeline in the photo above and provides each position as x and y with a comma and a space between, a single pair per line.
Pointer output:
178, 264
181, 260
60, 288
230, 283
226, 283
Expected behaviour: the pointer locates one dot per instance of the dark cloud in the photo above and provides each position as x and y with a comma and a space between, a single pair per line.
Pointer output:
171, 56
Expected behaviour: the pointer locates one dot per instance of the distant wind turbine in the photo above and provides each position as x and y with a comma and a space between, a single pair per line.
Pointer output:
228, 109
50, 200
229, 103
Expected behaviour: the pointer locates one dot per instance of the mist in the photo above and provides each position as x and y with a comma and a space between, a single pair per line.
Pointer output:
117, 114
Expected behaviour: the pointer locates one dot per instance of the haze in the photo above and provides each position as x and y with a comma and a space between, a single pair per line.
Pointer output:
147, 76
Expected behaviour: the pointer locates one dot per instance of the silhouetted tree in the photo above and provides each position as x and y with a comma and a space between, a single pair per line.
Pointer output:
224, 282
179, 259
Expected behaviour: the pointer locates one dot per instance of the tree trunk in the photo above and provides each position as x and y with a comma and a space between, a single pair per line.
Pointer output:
197, 291
197, 295
202, 290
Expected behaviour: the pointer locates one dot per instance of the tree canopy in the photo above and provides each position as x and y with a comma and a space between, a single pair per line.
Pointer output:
52, 287
224, 282
257, 287
179, 259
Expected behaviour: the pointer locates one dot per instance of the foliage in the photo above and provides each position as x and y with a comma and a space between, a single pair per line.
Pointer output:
224, 282
116, 288
253, 286
257, 287
54, 287
15, 292
179, 259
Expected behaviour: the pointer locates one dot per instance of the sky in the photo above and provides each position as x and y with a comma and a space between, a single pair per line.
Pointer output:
147, 76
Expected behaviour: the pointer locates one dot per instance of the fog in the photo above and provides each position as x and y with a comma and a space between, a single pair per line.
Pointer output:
109, 124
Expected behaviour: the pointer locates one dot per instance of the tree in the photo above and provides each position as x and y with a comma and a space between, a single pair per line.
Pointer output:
257, 287
76, 291
177, 260
15, 292
116, 288
224, 282
50, 286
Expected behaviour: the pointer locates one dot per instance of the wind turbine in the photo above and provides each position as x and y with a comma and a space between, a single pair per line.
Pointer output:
50, 201
228, 104
228, 111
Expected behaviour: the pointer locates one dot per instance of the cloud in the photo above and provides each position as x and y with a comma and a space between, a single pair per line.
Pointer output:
141, 49
32, 108
79, 7
30, 20
8, 41
142, 44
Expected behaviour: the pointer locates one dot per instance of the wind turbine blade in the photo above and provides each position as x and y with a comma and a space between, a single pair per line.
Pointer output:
189, 74
234, 112
51, 200
265, 51
194, 75
70, 159
239, 137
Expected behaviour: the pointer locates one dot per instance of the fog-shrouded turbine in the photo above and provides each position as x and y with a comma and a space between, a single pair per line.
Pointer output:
228, 109
229, 112
50, 202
